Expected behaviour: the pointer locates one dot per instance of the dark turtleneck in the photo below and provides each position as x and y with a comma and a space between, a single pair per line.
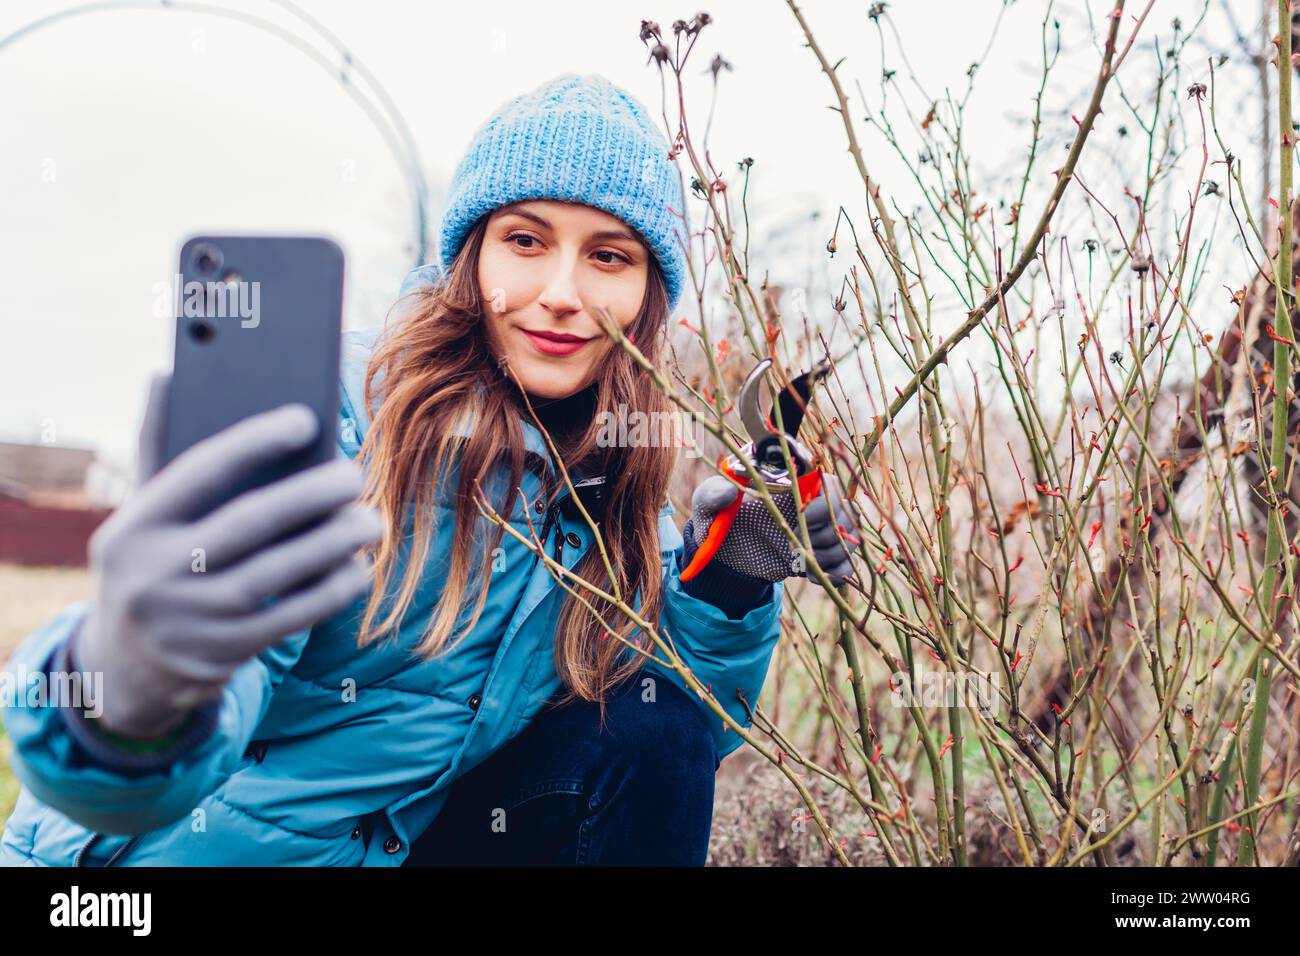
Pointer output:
564, 418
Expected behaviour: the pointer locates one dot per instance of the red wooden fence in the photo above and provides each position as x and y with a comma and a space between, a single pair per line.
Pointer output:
39, 536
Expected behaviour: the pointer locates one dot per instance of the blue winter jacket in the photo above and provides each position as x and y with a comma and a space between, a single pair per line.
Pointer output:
321, 754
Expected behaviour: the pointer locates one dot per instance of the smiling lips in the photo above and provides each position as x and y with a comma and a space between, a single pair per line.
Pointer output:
555, 343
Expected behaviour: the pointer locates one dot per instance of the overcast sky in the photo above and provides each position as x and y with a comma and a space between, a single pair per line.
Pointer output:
121, 132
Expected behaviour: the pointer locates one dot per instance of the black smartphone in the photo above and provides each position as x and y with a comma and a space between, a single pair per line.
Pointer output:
258, 323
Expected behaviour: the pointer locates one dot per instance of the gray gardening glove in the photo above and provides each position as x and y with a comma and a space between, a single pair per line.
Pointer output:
755, 545
166, 637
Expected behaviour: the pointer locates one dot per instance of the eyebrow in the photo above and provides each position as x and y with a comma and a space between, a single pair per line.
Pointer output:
603, 234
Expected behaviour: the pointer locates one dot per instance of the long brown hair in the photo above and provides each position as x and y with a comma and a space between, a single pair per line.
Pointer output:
435, 367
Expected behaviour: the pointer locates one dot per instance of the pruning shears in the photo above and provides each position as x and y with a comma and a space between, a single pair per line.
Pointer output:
763, 450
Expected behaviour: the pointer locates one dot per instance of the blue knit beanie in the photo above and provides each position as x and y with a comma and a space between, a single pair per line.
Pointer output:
581, 139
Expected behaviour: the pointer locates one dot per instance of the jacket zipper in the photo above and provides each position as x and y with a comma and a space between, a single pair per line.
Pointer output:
558, 551
553, 521
117, 855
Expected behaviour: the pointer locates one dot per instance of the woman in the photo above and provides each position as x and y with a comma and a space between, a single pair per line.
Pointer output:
295, 704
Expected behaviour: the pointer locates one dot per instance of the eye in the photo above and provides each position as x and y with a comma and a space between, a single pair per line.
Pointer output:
521, 235
618, 257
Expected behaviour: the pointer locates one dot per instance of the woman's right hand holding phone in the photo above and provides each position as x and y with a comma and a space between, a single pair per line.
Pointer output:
191, 586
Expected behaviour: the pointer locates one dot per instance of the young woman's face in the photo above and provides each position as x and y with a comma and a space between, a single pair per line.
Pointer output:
544, 269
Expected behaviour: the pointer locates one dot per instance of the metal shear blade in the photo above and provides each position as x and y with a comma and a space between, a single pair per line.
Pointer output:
760, 425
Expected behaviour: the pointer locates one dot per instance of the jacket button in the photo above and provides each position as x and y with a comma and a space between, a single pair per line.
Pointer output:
356, 832
474, 701
539, 506
392, 845
572, 539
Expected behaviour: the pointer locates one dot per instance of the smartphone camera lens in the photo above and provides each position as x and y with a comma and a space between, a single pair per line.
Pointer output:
202, 331
207, 259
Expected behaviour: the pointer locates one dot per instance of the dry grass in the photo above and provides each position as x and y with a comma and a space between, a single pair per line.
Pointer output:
29, 597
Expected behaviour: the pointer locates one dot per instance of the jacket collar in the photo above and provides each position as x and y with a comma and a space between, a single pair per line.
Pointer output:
537, 457
536, 454
533, 439
357, 346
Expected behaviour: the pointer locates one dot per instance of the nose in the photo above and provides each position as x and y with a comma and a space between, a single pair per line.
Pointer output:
560, 296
